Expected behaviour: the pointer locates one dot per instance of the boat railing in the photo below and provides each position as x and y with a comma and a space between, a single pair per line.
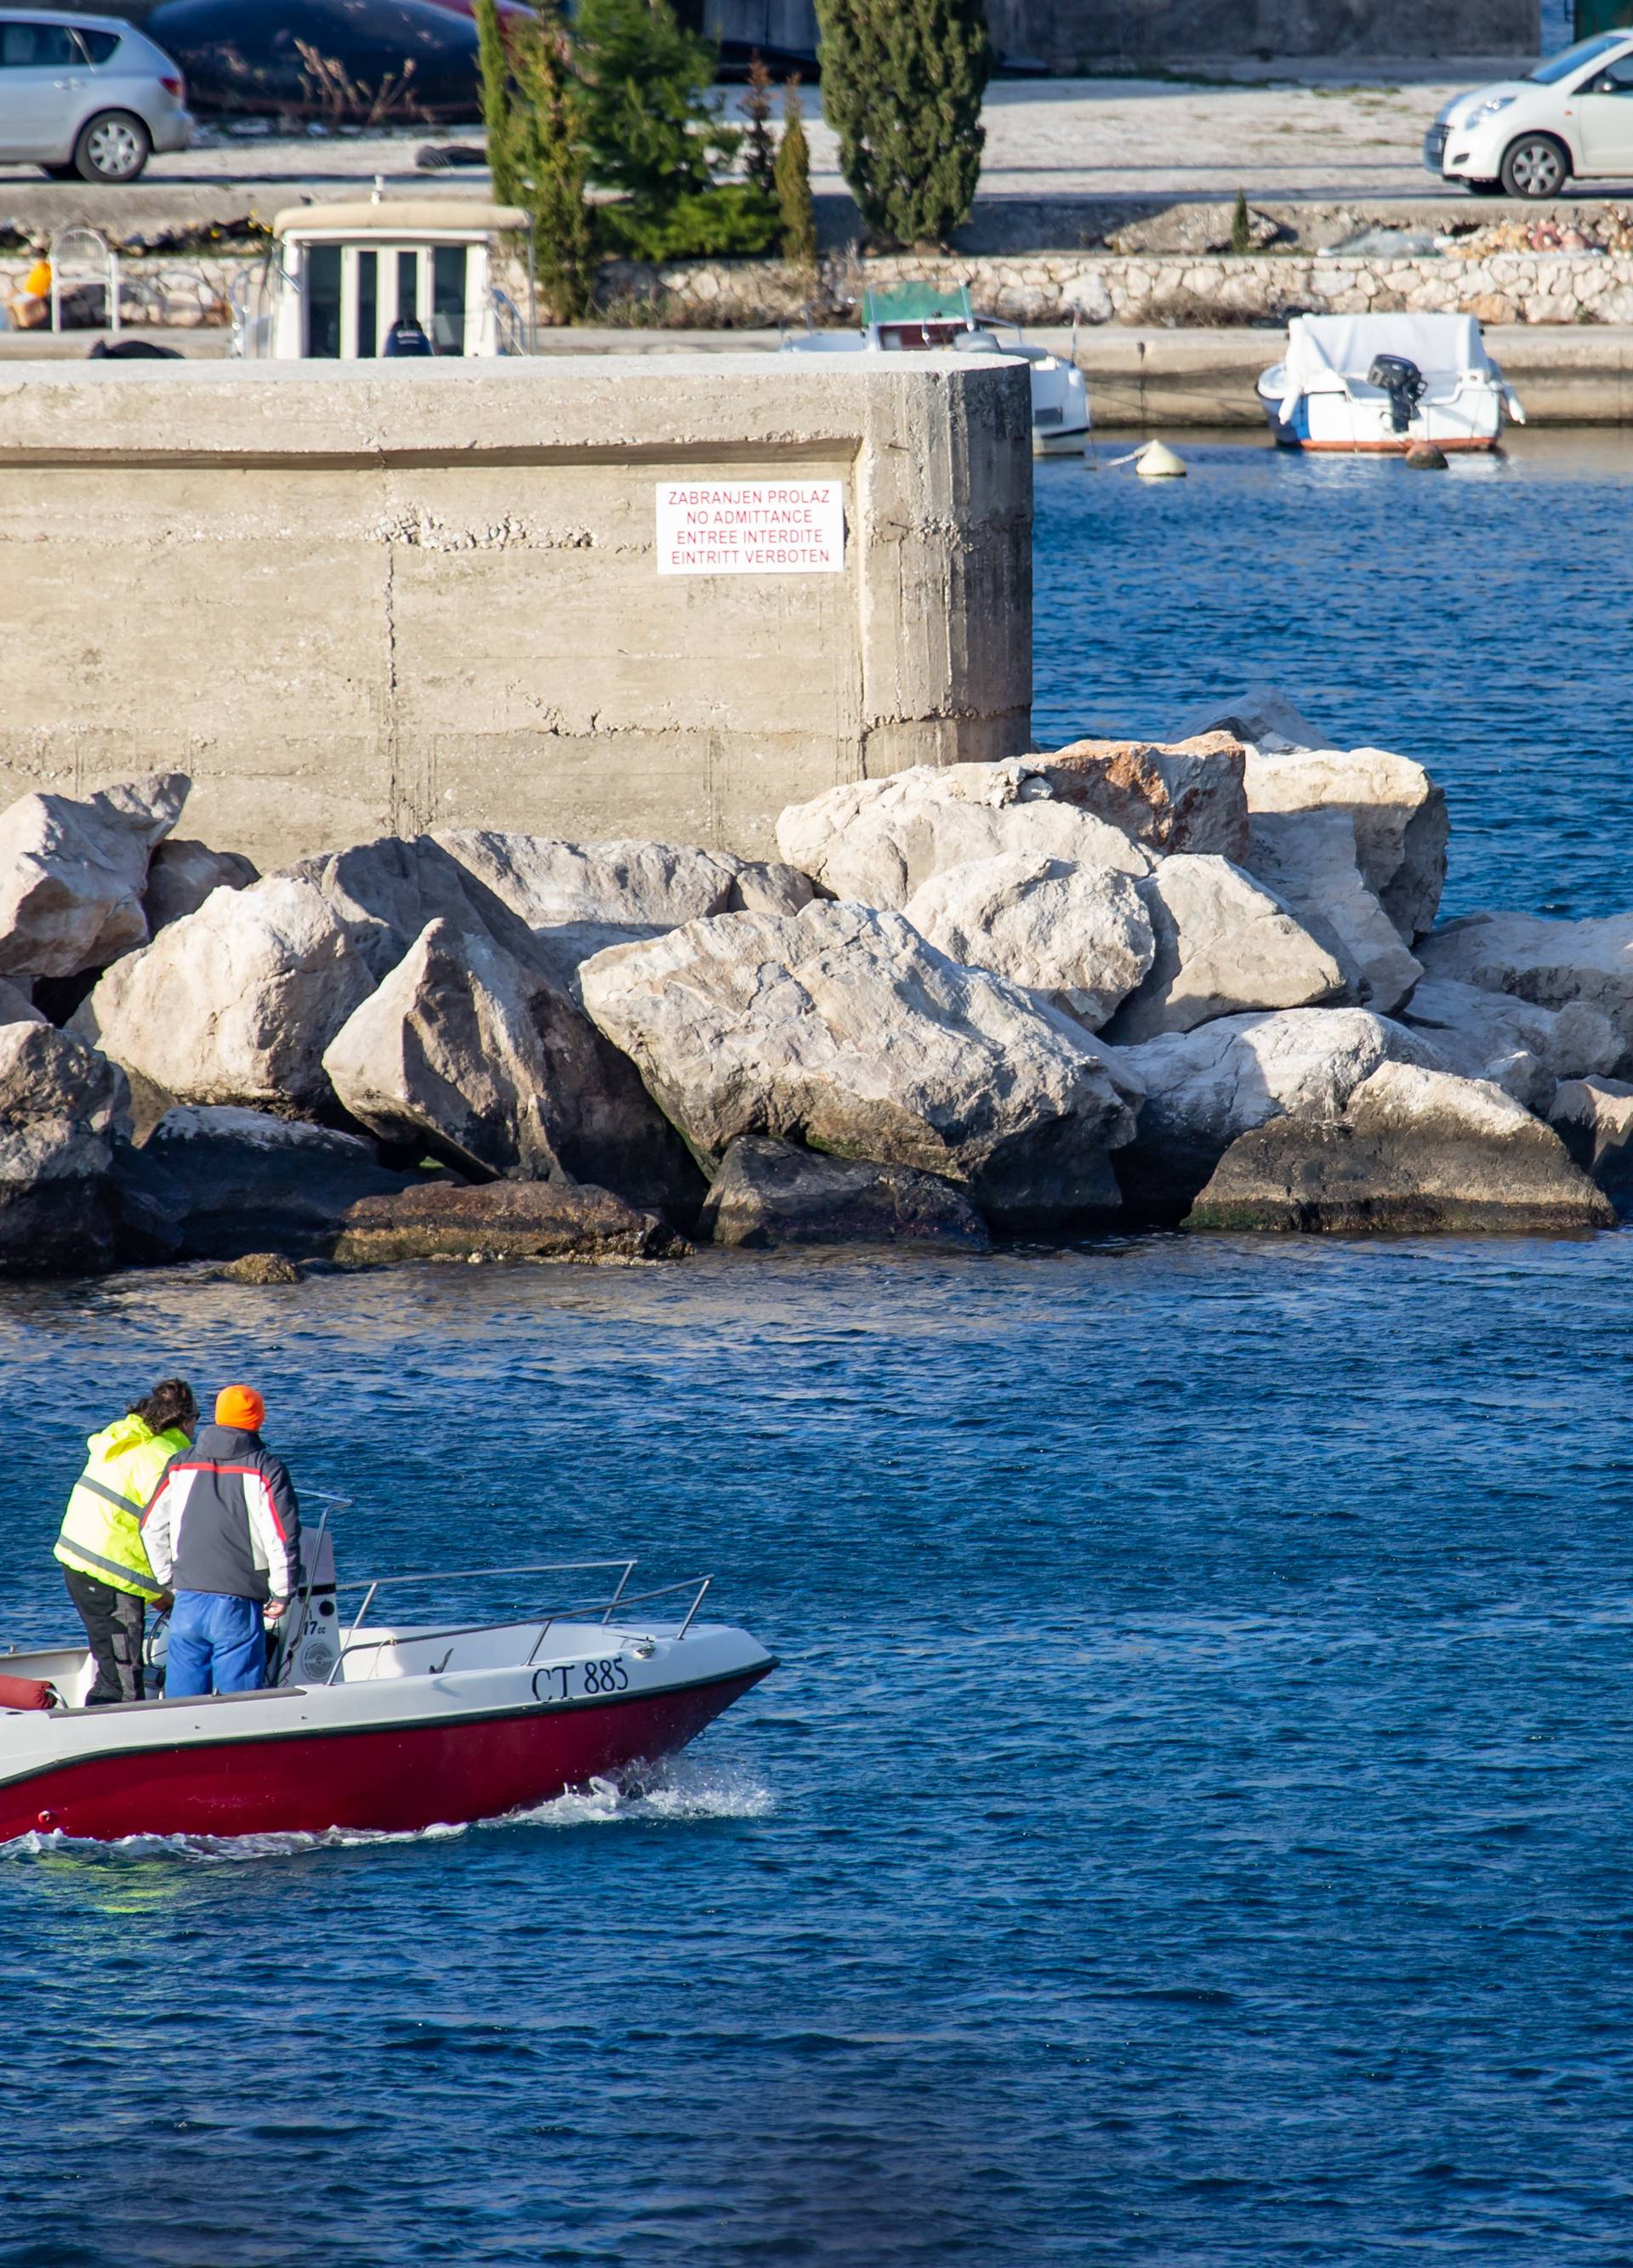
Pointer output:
697, 1586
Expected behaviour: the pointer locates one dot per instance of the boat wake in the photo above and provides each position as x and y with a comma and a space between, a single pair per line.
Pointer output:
675, 1792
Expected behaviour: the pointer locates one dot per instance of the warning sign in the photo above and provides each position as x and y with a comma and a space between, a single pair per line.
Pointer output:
750, 527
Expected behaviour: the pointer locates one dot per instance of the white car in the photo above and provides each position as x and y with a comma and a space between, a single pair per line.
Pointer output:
1573, 115
86, 97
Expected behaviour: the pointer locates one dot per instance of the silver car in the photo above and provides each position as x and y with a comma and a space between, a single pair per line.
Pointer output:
86, 97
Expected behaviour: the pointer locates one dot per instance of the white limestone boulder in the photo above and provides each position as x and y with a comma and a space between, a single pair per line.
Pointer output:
16, 1007
1081, 935
1203, 1088
61, 1106
1415, 1152
469, 1054
73, 873
629, 884
1521, 1047
236, 1003
1553, 964
1399, 815
842, 1029
1593, 1118
1309, 859
877, 842
1223, 944
181, 874
1186, 795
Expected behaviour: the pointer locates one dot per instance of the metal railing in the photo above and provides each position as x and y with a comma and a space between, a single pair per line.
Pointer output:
622, 1597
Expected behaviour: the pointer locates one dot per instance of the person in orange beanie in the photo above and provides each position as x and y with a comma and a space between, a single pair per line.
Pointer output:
222, 1530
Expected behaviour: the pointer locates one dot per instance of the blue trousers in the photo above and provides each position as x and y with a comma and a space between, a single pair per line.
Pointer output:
216, 1645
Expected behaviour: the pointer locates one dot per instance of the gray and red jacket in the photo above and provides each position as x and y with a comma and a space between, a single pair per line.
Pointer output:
224, 1519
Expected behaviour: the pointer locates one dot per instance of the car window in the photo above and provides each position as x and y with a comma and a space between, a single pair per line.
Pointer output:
1615, 78
98, 45
37, 46
1562, 66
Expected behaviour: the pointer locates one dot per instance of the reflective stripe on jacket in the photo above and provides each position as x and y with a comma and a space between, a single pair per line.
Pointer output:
101, 1529
225, 1518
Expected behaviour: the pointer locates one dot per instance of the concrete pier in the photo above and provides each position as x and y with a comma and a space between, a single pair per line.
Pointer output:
403, 595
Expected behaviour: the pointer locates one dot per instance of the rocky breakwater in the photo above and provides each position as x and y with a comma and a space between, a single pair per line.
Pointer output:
1197, 983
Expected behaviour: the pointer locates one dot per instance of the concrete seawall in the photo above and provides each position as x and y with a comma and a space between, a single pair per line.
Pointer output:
428, 595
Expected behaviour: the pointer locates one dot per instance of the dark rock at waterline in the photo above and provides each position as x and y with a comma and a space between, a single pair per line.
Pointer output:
1593, 1118
1414, 1152
62, 1108
768, 1193
503, 1220
263, 1268
217, 1183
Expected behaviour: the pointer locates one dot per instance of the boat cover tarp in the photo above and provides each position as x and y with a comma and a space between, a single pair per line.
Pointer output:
1321, 347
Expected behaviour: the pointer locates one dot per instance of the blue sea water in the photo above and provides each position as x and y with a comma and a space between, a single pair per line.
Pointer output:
1473, 619
1190, 1826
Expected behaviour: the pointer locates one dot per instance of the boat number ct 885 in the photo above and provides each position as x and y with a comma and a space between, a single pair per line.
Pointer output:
595, 1678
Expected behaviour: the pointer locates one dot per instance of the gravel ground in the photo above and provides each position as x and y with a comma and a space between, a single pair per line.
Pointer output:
1344, 137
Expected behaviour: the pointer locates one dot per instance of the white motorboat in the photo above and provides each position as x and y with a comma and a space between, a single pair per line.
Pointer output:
910, 318
393, 1727
1375, 384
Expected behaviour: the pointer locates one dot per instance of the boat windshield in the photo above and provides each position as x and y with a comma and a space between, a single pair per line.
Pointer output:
1571, 59
920, 306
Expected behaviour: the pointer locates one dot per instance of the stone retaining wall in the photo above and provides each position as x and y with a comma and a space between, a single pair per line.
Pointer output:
1507, 287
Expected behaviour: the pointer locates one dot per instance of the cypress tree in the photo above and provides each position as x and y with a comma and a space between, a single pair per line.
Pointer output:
536, 153
759, 158
493, 69
1241, 227
792, 175
902, 82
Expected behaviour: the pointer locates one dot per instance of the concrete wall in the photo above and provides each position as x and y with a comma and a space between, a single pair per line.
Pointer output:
426, 594
1068, 33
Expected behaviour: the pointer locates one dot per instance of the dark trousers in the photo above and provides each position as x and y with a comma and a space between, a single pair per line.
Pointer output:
112, 1621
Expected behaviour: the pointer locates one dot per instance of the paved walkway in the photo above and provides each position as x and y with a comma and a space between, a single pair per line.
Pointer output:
1337, 134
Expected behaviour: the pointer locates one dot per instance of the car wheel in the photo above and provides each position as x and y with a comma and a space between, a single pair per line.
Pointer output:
112, 147
1536, 166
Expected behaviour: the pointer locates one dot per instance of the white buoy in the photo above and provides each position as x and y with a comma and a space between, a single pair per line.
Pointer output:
1157, 461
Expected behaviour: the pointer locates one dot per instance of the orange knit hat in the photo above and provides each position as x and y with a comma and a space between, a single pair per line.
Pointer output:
240, 1406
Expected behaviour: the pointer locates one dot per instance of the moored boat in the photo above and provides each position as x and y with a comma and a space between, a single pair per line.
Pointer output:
1375, 384
395, 1726
914, 318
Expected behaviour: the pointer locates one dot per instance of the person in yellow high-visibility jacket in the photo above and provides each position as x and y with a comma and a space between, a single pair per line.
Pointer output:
105, 1563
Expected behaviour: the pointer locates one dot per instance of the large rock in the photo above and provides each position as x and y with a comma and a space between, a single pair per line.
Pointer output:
1554, 964
16, 1007
1081, 934
1415, 1152
1522, 1049
213, 1184
72, 872
1187, 795
236, 1003
1308, 859
629, 885
877, 841
770, 1193
503, 1220
471, 1053
61, 1106
1593, 1118
1399, 815
181, 874
844, 1029
387, 893
1223, 944
1204, 1088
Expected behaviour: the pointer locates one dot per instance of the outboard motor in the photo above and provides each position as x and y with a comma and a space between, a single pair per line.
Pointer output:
1403, 382
308, 1648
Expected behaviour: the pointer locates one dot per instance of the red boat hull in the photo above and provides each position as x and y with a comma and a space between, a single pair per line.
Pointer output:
395, 1778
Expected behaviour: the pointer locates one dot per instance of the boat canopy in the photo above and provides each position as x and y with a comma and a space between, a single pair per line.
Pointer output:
918, 303
401, 216
1320, 347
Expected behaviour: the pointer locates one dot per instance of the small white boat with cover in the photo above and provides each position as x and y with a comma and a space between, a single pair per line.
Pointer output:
1375, 384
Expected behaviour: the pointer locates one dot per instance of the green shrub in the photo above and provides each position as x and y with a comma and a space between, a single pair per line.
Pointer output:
735, 221
902, 82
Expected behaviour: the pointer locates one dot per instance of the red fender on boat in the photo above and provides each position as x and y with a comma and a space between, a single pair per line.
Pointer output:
27, 1693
